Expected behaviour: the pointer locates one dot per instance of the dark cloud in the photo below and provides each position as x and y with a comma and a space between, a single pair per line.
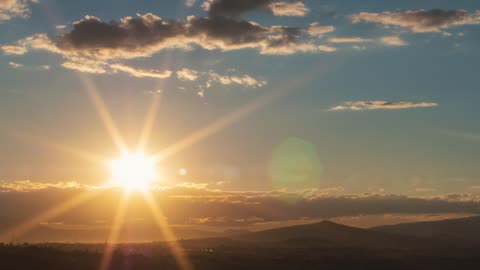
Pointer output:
129, 35
420, 20
147, 34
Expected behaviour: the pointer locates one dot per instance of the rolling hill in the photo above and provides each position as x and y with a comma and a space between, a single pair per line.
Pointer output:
457, 230
330, 234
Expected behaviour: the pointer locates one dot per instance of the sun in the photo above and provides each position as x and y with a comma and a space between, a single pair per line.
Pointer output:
133, 171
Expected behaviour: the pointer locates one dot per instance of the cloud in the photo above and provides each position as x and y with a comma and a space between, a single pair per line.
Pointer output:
94, 66
393, 41
37, 42
197, 207
86, 65
98, 66
195, 203
359, 48
349, 40
235, 8
190, 3
148, 34
15, 65
288, 9
14, 50
186, 74
245, 80
29, 186
420, 21
380, 105
141, 73
317, 30
211, 77
15, 8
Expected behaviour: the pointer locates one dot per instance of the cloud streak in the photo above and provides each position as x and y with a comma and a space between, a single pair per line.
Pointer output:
15, 65
393, 41
381, 105
349, 40
420, 21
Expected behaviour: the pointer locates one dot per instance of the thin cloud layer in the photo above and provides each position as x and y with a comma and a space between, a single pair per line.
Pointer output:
380, 105
236, 8
420, 21
195, 204
349, 40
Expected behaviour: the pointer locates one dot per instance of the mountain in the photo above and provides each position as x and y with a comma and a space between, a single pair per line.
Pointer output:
460, 229
330, 234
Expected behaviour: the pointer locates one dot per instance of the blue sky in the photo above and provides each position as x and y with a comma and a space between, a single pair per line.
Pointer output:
386, 104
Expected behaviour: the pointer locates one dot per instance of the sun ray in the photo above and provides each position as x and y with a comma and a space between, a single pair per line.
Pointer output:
218, 124
53, 212
232, 117
103, 112
93, 157
117, 225
170, 238
149, 122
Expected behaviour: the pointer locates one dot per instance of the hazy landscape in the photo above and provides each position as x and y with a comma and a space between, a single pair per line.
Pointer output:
449, 244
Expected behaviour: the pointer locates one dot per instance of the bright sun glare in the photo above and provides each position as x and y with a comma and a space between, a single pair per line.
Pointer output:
133, 171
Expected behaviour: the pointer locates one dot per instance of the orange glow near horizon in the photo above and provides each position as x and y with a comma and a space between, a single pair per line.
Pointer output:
168, 234
134, 170
117, 225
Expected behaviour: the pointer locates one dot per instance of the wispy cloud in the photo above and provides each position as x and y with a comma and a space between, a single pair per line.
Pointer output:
420, 21
245, 80
288, 9
211, 77
381, 105
349, 40
190, 3
393, 41
15, 65
317, 30
141, 73
186, 74
15, 8
14, 49
60, 26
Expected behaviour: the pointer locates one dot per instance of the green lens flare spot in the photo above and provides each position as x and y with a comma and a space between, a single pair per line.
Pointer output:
295, 165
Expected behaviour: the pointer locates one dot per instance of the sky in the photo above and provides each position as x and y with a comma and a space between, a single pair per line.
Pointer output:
303, 109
